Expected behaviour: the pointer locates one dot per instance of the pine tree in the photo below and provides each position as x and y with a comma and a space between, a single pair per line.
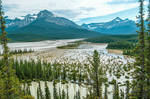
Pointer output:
147, 54
127, 89
55, 94
122, 94
47, 92
9, 83
139, 78
97, 75
106, 92
40, 92
67, 92
63, 94
116, 90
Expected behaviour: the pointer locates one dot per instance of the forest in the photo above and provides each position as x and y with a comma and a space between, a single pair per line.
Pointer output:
126, 43
103, 78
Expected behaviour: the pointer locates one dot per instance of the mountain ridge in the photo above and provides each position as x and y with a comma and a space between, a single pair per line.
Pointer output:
115, 26
46, 26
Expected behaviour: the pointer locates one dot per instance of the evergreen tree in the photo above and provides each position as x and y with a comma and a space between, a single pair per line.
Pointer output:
55, 94
127, 89
40, 92
106, 92
97, 75
116, 90
63, 94
77, 96
9, 83
47, 92
67, 92
147, 54
60, 96
121, 94
139, 77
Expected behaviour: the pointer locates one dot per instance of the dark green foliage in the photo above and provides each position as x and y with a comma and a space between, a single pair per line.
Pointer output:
40, 93
97, 75
71, 46
127, 89
106, 92
63, 94
139, 76
47, 92
147, 53
9, 84
113, 38
128, 52
31, 70
77, 96
116, 91
123, 42
67, 92
95, 69
20, 51
121, 45
55, 94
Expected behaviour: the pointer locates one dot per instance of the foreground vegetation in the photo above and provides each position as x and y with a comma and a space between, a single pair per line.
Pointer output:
20, 52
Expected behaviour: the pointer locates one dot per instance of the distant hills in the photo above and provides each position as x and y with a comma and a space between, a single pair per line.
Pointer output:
45, 26
116, 26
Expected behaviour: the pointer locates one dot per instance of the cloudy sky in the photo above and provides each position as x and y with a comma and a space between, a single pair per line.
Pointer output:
80, 11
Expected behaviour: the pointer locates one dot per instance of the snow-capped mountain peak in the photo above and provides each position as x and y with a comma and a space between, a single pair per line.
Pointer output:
117, 19
43, 15
116, 26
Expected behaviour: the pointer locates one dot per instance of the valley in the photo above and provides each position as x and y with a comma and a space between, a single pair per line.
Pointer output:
74, 49
48, 52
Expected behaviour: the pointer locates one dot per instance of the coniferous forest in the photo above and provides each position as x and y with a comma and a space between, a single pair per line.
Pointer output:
111, 78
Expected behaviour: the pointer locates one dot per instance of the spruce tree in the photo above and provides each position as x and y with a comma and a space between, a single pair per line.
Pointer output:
127, 89
97, 75
106, 92
63, 94
67, 92
10, 86
147, 54
55, 94
40, 92
139, 77
116, 90
47, 92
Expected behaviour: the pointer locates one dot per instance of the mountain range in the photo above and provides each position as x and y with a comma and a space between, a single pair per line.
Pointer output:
45, 26
115, 26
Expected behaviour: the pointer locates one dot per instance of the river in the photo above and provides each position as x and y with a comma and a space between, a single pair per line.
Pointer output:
47, 50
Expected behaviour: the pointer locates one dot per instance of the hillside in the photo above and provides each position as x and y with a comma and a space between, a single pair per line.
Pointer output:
46, 26
116, 26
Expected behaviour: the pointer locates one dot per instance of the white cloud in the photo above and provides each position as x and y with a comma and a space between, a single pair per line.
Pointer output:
82, 8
